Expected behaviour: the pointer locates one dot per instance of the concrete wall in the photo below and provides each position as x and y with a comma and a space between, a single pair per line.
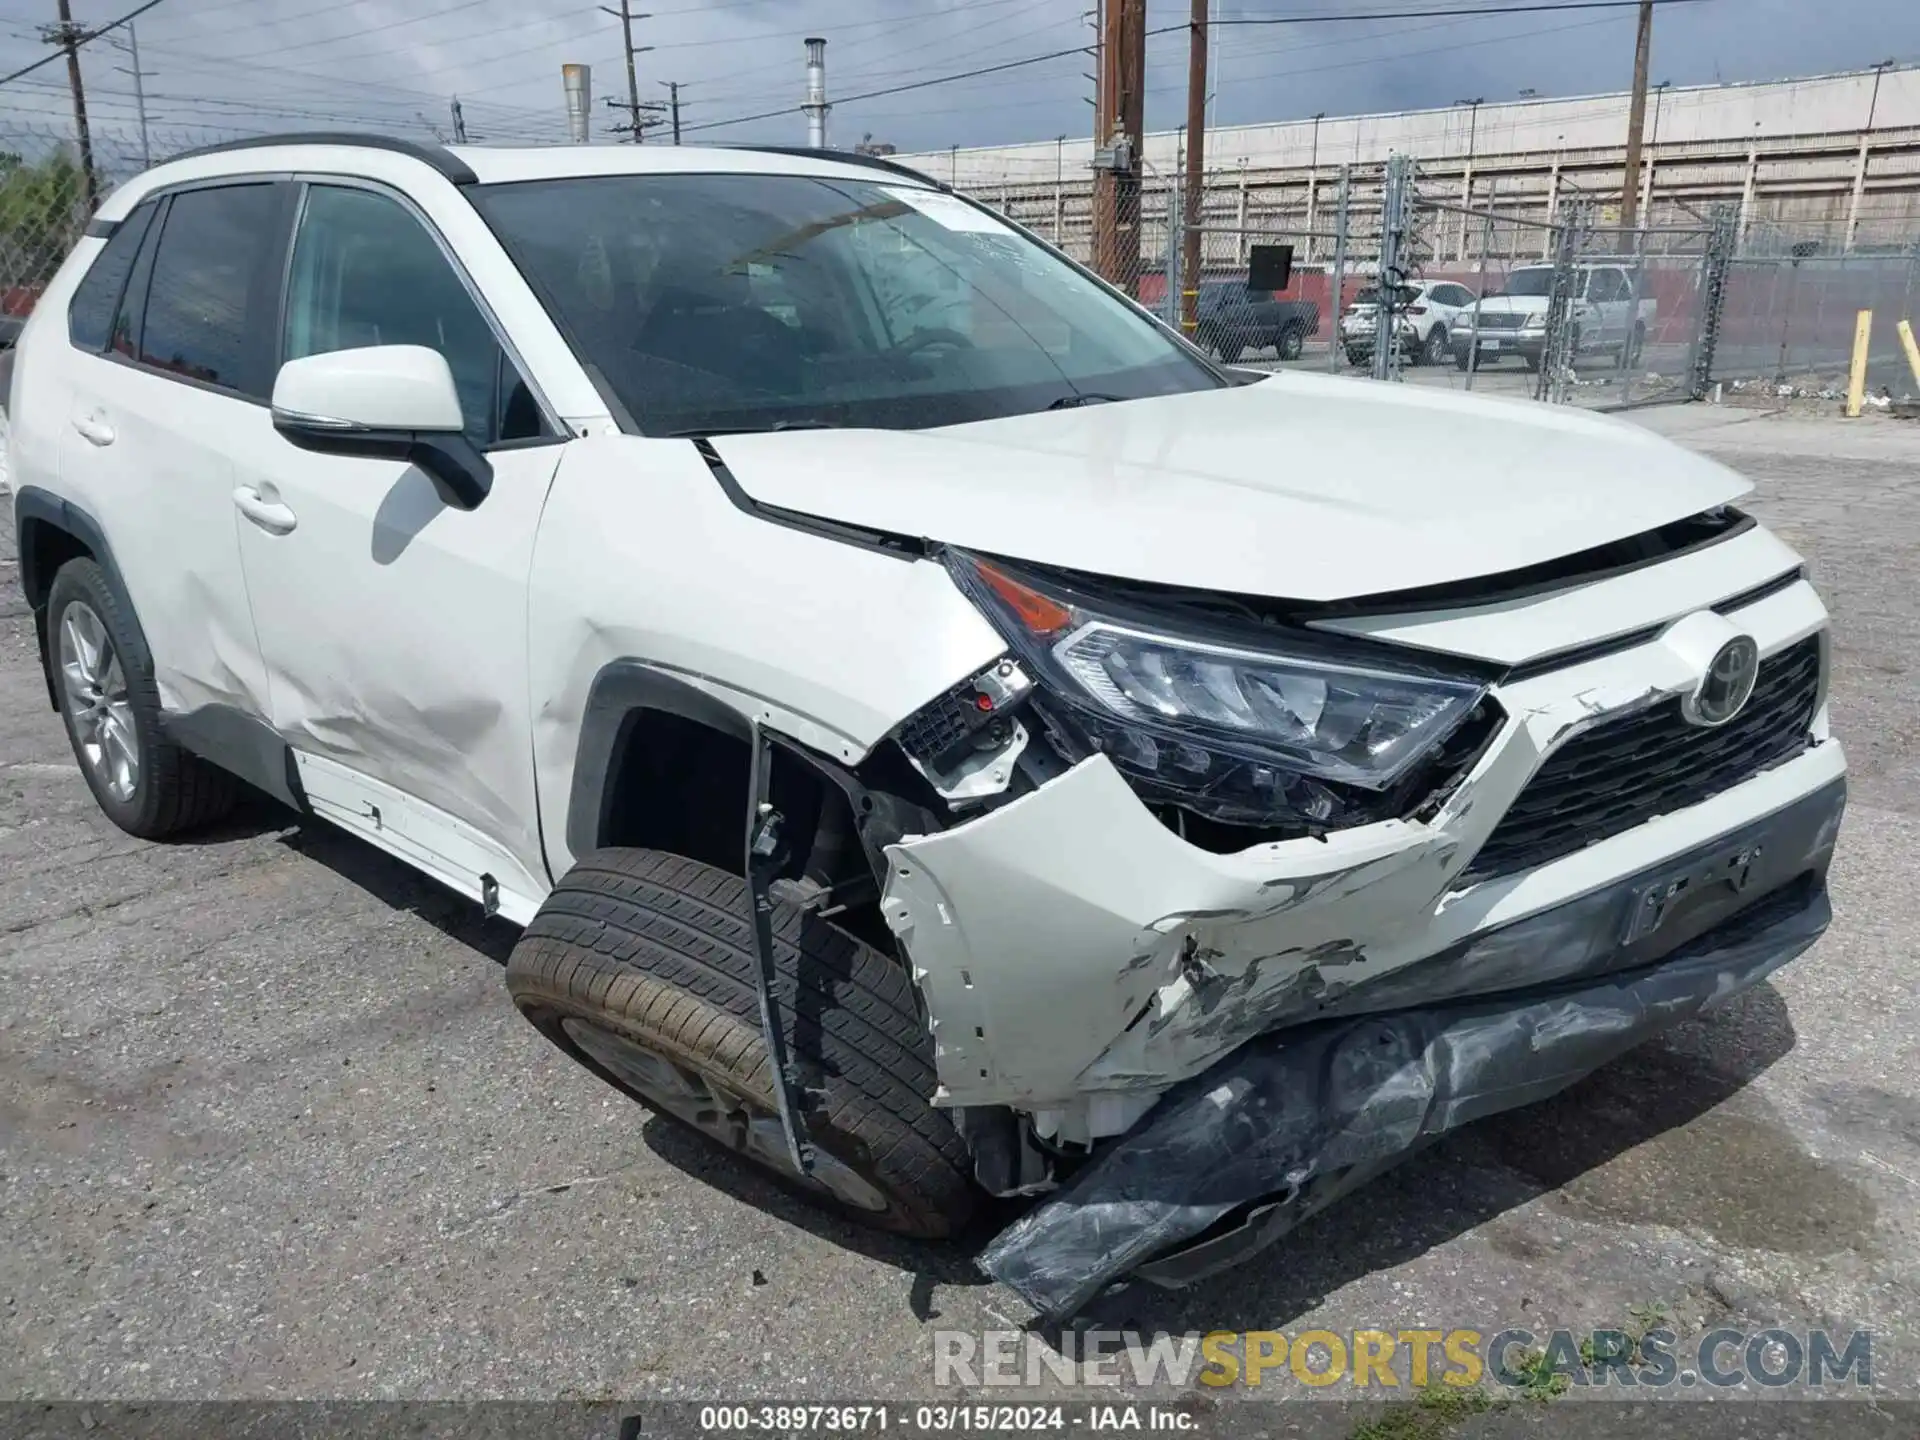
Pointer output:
1792, 155
1720, 116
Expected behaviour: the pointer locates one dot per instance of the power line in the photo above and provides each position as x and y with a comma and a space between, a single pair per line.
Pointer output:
897, 89
1456, 12
1460, 12
79, 40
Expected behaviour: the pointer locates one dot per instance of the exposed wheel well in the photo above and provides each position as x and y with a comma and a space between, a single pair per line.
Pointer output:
44, 548
680, 785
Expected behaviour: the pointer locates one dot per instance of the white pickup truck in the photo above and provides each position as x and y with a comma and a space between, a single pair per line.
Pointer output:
1512, 320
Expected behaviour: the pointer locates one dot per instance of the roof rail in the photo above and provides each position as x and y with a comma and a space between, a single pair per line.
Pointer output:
438, 156
846, 157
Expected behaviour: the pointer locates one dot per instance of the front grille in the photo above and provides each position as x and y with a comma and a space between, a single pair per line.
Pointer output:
1625, 772
1501, 320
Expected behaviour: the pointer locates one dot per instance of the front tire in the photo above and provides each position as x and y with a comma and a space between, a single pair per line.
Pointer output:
1227, 350
1292, 342
103, 674
640, 966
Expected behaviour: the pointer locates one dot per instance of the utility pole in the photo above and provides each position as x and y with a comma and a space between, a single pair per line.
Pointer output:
1196, 169
69, 36
139, 92
637, 113
673, 92
459, 122
1119, 118
1636, 122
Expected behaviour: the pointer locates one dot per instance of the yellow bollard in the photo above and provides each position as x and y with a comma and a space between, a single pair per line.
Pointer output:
1857, 381
1913, 350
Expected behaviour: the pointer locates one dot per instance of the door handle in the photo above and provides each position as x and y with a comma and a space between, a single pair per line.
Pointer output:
269, 515
93, 429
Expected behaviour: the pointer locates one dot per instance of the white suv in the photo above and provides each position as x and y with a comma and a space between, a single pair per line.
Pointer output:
1429, 313
930, 745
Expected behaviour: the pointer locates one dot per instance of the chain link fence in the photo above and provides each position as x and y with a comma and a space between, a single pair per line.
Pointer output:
47, 193
1793, 296
1514, 285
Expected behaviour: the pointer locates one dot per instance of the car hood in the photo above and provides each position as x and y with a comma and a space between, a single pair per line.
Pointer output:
1297, 487
1512, 305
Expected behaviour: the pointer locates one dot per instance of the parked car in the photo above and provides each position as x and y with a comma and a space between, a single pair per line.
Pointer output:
940, 736
1233, 318
1426, 317
1604, 316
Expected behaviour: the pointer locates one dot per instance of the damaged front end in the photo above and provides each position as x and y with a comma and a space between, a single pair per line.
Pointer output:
1265, 915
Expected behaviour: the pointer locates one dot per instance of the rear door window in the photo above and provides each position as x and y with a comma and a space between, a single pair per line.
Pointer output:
90, 316
212, 295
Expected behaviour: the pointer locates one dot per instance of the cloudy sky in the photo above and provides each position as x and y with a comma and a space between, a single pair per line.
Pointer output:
219, 67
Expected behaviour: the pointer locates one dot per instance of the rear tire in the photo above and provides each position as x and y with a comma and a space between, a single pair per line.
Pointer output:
1228, 351
1292, 342
640, 966
103, 674
1435, 350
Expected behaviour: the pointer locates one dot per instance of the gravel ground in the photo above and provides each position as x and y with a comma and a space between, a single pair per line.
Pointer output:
269, 1127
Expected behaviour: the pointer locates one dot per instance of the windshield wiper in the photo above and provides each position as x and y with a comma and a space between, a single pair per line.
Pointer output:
1074, 402
707, 432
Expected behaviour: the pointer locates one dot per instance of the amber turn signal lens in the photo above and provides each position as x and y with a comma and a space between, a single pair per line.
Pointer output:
1041, 615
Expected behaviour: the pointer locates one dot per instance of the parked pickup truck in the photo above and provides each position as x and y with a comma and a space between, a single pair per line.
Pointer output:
1513, 319
1232, 318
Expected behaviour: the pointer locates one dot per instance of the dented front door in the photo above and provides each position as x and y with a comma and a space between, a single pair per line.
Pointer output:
394, 624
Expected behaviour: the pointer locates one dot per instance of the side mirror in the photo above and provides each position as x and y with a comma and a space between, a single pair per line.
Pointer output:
389, 401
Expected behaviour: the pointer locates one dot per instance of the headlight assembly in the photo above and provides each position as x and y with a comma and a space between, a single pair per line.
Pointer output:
1299, 731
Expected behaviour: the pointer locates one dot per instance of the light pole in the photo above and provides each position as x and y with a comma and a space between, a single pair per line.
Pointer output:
1313, 183
1653, 151
1059, 190
1879, 71
1466, 179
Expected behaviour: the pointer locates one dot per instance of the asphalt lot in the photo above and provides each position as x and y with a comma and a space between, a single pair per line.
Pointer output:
270, 1128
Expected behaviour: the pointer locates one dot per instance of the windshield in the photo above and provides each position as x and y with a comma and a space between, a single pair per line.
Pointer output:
753, 302
1528, 282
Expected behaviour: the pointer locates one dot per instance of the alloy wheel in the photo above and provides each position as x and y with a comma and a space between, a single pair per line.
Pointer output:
742, 1125
97, 703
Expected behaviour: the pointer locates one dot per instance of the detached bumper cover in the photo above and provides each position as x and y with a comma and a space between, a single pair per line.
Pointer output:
1296, 1118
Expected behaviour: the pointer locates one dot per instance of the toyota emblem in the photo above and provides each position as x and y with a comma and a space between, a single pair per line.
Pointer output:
1724, 689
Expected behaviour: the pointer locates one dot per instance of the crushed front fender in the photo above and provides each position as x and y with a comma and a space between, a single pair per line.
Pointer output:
1297, 1117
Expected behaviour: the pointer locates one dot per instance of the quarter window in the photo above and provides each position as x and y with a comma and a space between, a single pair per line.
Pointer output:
90, 317
208, 295
366, 272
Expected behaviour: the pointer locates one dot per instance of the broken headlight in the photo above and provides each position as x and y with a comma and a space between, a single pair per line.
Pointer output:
1299, 730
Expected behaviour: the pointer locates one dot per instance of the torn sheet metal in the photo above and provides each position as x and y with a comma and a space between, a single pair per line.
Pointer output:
1288, 1123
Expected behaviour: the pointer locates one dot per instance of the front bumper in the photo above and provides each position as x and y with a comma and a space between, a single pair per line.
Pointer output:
1497, 344
1288, 1123
1078, 958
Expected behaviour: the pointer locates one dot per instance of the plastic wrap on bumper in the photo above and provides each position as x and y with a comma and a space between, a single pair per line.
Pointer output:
1289, 1122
